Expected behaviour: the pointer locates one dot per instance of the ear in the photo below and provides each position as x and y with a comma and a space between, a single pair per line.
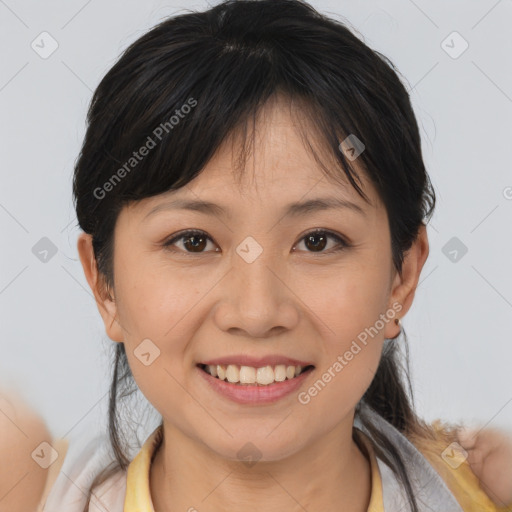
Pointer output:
106, 304
404, 285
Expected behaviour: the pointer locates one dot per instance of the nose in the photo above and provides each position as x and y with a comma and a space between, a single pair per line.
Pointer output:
257, 301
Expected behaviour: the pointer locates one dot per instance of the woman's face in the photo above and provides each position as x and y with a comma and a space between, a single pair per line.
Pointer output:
256, 285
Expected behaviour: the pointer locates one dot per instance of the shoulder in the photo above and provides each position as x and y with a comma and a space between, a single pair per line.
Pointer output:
84, 463
23, 472
448, 458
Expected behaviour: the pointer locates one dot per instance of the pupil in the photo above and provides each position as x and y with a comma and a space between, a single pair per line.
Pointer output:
322, 243
199, 245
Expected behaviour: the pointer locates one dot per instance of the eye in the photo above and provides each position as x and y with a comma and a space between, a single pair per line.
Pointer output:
317, 240
195, 241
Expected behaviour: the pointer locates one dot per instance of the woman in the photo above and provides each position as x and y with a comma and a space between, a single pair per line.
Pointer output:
254, 203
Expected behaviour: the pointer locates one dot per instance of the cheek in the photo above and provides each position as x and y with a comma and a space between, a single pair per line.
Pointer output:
159, 382
153, 301
341, 383
350, 303
352, 329
153, 311
351, 309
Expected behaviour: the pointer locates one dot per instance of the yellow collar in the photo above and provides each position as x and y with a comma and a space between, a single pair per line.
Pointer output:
138, 496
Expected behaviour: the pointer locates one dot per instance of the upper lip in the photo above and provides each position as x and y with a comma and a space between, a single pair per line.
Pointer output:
256, 362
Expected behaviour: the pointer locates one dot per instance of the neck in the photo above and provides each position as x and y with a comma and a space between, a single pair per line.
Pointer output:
329, 475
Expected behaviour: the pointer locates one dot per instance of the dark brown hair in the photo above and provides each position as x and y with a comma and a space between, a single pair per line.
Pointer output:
232, 59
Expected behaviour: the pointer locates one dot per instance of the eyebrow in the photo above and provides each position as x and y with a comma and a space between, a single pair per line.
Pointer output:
291, 210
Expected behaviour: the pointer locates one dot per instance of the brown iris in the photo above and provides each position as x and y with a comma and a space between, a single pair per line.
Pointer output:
315, 236
199, 243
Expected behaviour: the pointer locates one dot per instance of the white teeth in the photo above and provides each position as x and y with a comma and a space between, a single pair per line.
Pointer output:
280, 373
263, 376
232, 373
247, 375
221, 371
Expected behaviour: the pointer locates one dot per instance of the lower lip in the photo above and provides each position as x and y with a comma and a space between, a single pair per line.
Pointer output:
248, 394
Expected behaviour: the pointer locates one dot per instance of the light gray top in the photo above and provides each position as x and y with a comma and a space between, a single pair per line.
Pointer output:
81, 465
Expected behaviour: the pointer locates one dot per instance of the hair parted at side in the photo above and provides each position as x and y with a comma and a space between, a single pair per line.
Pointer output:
233, 59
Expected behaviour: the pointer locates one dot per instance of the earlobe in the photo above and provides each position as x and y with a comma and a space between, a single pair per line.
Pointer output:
106, 304
405, 284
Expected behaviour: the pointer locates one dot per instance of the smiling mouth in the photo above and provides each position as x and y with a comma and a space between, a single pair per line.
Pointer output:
251, 376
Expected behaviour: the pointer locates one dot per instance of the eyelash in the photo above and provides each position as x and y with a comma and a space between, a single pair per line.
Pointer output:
343, 244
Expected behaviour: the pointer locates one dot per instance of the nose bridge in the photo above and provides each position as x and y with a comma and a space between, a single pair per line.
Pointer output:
257, 300
253, 264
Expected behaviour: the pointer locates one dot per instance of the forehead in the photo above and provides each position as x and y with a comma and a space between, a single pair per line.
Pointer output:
278, 167
278, 162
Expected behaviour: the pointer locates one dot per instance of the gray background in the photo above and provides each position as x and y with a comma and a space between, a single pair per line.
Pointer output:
54, 348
